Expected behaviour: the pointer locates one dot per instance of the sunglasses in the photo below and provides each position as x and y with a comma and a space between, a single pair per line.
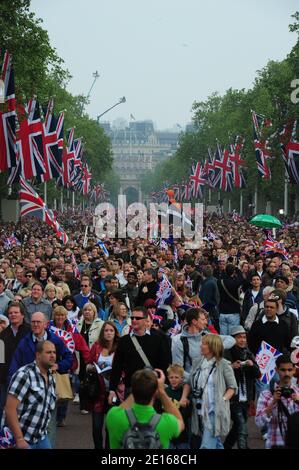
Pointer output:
84, 285
138, 318
286, 370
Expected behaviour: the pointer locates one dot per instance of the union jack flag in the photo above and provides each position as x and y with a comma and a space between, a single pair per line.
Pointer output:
265, 358
31, 204
290, 150
52, 153
197, 180
261, 145
86, 180
223, 178
65, 336
30, 145
209, 168
186, 191
8, 146
237, 163
7, 439
164, 291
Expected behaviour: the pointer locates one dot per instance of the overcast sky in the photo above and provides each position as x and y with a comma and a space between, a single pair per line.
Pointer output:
164, 54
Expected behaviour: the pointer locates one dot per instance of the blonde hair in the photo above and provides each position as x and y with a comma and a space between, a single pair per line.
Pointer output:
50, 286
175, 369
65, 288
59, 293
60, 309
215, 345
93, 308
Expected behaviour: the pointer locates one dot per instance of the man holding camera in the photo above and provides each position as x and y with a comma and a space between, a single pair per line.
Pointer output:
246, 371
274, 406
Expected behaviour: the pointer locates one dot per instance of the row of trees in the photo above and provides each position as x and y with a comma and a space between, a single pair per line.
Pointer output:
224, 117
40, 71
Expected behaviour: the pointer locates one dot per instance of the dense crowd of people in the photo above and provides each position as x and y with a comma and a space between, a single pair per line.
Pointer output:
108, 323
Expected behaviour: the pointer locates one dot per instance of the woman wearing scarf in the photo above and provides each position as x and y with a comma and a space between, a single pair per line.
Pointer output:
212, 383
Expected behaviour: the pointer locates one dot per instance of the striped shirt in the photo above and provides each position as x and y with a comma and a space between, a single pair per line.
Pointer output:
274, 437
37, 400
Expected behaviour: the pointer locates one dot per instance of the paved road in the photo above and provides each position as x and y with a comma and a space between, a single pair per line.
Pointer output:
77, 433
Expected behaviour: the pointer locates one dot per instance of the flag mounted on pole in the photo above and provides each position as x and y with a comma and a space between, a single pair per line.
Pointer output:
31, 204
261, 145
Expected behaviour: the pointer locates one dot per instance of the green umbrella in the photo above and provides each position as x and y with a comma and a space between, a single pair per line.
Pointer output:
265, 221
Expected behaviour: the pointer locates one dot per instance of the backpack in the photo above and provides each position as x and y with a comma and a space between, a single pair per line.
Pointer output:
141, 436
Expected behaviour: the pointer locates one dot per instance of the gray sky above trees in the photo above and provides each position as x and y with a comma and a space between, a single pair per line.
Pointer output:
164, 54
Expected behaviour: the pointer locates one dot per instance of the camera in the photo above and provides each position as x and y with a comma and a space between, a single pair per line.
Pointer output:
115, 401
286, 392
243, 363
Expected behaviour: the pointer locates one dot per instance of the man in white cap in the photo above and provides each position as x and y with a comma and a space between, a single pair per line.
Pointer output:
246, 371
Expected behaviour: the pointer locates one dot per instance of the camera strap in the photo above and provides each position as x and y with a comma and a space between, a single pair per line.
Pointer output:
140, 351
196, 377
228, 293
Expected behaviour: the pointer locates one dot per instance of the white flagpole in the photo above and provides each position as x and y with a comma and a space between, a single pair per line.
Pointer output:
241, 203
45, 192
85, 237
255, 201
61, 200
285, 206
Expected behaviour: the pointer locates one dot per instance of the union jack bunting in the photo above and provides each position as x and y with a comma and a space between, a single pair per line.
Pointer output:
8, 116
265, 358
237, 163
197, 180
261, 145
290, 150
223, 177
31, 204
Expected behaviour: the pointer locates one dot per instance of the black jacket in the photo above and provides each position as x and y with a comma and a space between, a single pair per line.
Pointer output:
150, 293
246, 372
232, 284
127, 359
248, 302
275, 334
10, 345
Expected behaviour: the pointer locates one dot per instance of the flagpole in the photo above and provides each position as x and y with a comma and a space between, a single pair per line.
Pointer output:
285, 206
241, 203
45, 192
229, 206
61, 200
255, 200
73, 200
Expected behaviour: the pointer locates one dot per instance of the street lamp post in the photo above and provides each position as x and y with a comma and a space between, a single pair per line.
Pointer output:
121, 100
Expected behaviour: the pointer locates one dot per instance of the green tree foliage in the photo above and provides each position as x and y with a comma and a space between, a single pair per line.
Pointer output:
222, 118
40, 71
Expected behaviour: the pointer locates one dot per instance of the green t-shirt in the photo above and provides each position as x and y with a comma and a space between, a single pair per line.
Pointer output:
118, 423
